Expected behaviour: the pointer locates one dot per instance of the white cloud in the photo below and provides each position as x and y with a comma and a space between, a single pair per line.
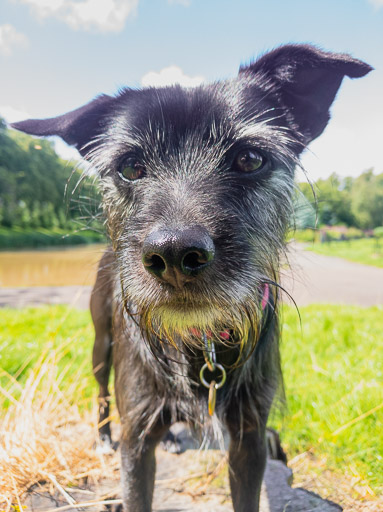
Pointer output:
11, 115
168, 76
99, 15
9, 38
376, 3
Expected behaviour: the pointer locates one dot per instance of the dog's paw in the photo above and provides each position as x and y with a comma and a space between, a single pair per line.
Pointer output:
171, 444
106, 446
114, 508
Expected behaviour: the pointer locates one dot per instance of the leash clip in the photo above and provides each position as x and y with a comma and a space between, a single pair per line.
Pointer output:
209, 353
212, 365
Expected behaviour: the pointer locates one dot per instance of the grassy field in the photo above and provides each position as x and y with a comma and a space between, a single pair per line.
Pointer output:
27, 333
332, 366
365, 250
333, 369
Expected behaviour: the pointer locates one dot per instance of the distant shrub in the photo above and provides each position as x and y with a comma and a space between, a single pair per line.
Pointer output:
304, 235
340, 233
18, 238
353, 233
330, 236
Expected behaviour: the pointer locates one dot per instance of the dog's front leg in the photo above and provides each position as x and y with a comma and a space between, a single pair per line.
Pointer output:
247, 460
138, 467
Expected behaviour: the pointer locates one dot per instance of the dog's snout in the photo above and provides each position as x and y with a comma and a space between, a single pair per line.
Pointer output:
176, 256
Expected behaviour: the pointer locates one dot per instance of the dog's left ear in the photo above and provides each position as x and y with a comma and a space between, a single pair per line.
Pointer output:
77, 128
306, 81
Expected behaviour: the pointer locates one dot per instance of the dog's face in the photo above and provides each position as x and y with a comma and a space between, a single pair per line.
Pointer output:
197, 186
197, 183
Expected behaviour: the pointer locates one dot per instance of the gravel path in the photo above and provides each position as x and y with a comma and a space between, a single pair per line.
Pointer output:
177, 491
316, 278
77, 296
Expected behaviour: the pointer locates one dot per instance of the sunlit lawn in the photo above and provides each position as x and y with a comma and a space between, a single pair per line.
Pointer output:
333, 370
368, 251
26, 333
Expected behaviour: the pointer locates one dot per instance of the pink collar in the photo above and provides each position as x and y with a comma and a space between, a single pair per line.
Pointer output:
265, 296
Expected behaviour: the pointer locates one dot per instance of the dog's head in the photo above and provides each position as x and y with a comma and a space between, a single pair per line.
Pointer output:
197, 183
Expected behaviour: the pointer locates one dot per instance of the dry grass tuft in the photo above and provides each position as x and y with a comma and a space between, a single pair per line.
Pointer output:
348, 490
46, 440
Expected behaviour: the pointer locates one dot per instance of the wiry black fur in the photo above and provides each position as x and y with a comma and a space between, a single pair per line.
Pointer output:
188, 140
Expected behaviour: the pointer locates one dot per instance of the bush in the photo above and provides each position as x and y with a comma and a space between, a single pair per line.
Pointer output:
17, 238
330, 236
304, 235
354, 233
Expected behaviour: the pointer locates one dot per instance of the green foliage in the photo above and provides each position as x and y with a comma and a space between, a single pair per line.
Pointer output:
368, 251
18, 238
367, 200
356, 202
304, 235
326, 235
36, 185
354, 233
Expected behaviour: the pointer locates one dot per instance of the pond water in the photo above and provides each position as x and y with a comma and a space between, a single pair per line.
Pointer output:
50, 267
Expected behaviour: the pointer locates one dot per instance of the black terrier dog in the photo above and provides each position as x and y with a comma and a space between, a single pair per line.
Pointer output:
197, 192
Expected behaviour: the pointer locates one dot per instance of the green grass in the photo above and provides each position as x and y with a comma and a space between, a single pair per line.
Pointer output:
333, 370
26, 333
18, 238
365, 250
332, 363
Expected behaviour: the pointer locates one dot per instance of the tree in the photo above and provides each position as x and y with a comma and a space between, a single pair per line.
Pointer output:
367, 200
356, 202
33, 183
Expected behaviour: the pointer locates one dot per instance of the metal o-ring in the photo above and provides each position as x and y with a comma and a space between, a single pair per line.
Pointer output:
206, 383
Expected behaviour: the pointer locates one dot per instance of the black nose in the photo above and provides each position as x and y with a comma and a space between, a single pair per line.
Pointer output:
176, 256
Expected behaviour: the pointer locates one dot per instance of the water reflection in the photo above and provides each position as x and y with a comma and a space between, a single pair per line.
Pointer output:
54, 267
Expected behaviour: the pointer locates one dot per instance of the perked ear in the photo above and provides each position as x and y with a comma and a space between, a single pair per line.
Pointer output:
306, 80
77, 128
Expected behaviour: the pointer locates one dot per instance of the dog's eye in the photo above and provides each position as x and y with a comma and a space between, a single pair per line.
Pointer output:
131, 170
248, 160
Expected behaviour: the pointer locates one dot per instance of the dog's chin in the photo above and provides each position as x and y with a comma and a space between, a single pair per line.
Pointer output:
182, 320
188, 325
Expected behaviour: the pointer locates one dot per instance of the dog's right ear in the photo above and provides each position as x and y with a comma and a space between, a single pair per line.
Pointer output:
77, 128
305, 80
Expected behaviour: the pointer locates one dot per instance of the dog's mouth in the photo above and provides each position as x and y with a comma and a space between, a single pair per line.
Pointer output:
189, 326
192, 317
187, 321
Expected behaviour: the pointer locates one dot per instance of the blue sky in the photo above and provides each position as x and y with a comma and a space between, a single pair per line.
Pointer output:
55, 55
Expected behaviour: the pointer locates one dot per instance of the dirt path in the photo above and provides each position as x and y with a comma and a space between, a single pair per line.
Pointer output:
316, 278
311, 278
77, 296
196, 481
